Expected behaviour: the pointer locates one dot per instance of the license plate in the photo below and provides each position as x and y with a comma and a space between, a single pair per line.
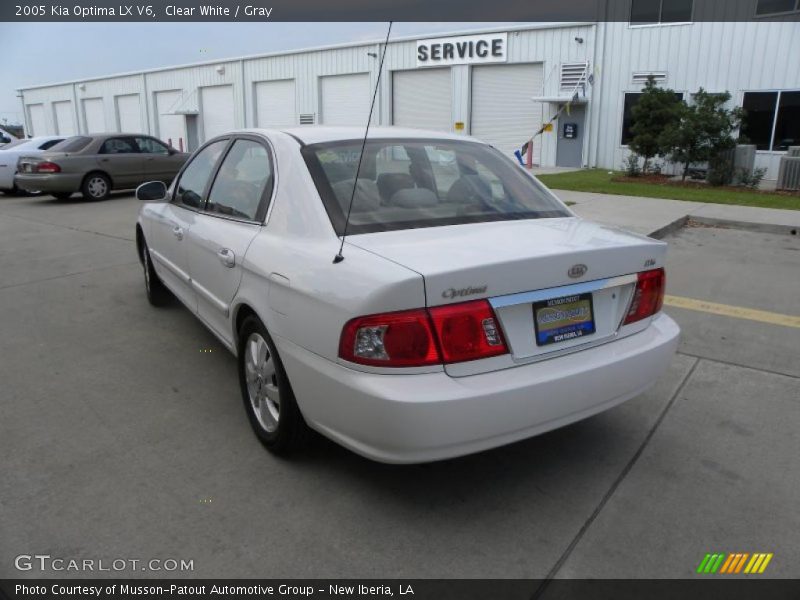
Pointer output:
563, 319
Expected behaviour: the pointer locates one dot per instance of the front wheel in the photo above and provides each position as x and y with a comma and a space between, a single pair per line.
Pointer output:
96, 186
266, 392
157, 292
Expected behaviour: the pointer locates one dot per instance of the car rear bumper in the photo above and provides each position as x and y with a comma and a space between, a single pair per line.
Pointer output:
432, 416
57, 182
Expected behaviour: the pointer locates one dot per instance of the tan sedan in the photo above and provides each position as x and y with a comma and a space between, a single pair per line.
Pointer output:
96, 164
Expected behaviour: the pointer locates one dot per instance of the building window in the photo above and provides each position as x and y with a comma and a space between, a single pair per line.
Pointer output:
627, 115
774, 7
766, 130
654, 12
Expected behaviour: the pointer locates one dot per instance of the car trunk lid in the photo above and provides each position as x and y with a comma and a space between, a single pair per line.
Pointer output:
520, 265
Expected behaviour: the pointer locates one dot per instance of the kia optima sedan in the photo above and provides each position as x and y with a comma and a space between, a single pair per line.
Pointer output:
442, 302
96, 164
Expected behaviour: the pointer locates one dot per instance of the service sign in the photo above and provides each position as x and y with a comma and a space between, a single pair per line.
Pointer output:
462, 50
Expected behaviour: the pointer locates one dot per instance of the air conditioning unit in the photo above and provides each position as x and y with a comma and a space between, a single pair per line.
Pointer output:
744, 157
789, 173
793, 151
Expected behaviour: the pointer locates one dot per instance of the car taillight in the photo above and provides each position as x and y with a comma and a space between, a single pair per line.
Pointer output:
467, 331
48, 167
400, 339
648, 296
420, 337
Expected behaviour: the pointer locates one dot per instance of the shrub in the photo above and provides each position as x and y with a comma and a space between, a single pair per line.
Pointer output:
631, 165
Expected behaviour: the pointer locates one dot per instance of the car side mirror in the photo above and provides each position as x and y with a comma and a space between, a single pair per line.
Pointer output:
152, 190
172, 150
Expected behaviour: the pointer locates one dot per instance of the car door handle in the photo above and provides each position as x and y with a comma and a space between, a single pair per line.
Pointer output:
178, 232
227, 257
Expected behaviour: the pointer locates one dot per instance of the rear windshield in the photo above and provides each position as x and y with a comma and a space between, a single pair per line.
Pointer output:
406, 184
72, 144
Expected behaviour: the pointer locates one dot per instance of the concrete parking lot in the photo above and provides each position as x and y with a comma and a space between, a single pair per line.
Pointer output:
122, 435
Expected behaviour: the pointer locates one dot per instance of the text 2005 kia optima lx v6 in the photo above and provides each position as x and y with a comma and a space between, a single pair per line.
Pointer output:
472, 308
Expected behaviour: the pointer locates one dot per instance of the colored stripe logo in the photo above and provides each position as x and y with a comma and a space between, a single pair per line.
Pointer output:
734, 563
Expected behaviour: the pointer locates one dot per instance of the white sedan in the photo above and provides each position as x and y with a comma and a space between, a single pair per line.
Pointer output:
469, 308
10, 154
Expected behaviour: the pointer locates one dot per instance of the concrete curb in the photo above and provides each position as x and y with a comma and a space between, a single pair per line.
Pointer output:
679, 224
670, 228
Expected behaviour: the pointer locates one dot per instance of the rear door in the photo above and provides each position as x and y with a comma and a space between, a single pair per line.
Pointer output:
218, 240
173, 221
121, 159
159, 163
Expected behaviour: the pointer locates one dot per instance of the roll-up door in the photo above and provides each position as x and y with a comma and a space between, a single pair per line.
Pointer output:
345, 99
422, 99
64, 117
36, 120
216, 110
94, 114
275, 103
129, 114
171, 127
503, 113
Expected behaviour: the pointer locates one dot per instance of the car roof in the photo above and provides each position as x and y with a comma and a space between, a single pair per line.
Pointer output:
314, 134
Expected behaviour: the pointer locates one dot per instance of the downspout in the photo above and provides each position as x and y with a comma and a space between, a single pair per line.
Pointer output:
244, 96
146, 105
21, 96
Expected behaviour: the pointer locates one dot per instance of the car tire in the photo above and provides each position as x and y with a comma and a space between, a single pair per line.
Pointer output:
96, 186
157, 292
267, 394
62, 195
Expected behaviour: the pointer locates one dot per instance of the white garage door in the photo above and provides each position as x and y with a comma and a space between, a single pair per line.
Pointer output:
129, 115
216, 110
275, 104
65, 119
503, 113
94, 114
171, 127
36, 120
345, 99
422, 99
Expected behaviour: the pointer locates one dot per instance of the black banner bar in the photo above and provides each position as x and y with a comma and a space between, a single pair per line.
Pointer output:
359, 10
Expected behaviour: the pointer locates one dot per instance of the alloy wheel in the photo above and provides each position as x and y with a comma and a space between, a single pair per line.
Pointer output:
262, 382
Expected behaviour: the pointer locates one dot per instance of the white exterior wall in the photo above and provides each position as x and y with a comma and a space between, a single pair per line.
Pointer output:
723, 56
733, 56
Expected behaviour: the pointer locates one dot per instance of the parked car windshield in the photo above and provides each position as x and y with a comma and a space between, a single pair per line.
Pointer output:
411, 183
72, 144
14, 144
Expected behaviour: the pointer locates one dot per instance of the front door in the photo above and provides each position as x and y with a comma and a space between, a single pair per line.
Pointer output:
218, 241
571, 131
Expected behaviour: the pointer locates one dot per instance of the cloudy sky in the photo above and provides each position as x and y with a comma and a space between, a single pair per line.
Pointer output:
37, 53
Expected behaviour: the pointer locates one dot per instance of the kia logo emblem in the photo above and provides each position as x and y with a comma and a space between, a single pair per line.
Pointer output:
576, 271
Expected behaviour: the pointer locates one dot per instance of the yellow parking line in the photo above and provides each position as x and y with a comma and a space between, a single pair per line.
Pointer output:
737, 312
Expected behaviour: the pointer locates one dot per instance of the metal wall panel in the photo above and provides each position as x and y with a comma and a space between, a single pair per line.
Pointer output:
275, 103
94, 115
423, 98
171, 128
64, 117
129, 114
36, 120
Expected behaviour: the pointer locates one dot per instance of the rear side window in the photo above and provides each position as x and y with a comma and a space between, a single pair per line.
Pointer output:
119, 146
72, 144
243, 177
410, 183
49, 144
196, 175
150, 146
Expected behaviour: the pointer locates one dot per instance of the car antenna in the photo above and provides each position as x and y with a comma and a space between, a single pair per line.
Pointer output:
339, 257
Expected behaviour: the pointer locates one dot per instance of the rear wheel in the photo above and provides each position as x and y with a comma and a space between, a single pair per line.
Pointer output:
266, 392
157, 292
96, 186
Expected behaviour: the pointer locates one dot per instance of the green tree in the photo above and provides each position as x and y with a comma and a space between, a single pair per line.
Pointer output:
702, 131
656, 109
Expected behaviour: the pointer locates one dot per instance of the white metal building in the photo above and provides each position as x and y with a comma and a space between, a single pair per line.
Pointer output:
499, 85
